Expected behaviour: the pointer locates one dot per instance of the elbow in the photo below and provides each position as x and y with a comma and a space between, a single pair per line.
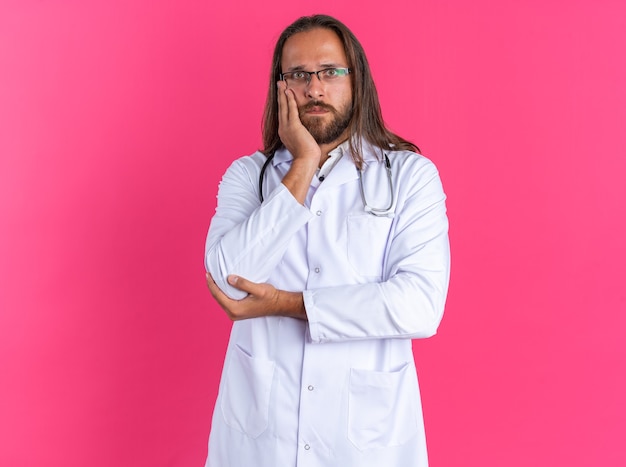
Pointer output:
424, 318
215, 264
422, 306
428, 326
427, 323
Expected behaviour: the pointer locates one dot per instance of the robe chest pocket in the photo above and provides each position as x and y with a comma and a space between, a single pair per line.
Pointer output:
382, 409
367, 241
247, 388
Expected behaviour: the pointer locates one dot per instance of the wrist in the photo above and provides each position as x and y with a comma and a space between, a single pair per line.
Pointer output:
291, 304
306, 164
298, 178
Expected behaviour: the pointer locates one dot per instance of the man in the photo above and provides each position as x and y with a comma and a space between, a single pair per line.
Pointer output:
329, 250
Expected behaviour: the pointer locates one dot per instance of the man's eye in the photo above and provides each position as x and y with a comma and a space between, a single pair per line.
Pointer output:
331, 73
299, 75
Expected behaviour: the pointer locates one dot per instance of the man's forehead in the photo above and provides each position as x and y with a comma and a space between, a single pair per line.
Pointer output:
321, 47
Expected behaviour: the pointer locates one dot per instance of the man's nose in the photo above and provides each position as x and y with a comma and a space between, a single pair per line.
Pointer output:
315, 86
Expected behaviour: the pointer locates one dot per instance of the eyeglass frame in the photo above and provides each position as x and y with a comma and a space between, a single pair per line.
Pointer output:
316, 73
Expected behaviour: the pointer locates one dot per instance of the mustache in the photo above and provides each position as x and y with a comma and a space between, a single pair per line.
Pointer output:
319, 105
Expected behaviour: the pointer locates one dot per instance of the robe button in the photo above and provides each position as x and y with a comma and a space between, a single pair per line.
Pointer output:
317, 270
307, 447
319, 213
310, 388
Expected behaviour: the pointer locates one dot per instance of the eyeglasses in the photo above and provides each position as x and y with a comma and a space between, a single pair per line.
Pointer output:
303, 78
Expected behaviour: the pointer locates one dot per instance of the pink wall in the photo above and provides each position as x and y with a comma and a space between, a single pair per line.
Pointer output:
117, 119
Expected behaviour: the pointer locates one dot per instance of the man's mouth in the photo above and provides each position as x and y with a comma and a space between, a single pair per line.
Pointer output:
316, 110
313, 108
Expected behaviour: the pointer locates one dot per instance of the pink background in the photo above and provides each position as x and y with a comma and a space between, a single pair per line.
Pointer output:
117, 120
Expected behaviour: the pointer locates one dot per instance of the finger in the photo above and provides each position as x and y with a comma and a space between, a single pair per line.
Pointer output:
252, 288
215, 290
209, 280
211, 284
293, 113
283, 108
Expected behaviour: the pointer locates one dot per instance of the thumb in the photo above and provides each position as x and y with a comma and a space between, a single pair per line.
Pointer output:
252, 288
240, 283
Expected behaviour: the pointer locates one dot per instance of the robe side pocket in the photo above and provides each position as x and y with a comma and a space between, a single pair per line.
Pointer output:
382, 408
247, 389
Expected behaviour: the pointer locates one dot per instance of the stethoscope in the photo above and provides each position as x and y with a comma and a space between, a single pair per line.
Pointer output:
379, 212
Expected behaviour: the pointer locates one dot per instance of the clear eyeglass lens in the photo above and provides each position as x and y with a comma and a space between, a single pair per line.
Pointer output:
330, 74
300, 77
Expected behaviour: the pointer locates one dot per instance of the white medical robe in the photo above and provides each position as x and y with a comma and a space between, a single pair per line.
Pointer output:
340, 390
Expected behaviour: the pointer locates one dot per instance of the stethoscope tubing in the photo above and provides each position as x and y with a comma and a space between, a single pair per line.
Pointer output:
386, 212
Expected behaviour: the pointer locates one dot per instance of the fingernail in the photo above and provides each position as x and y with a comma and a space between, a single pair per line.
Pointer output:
232, 280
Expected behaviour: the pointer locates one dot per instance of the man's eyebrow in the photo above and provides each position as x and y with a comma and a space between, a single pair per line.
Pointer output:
322, 66
330, 65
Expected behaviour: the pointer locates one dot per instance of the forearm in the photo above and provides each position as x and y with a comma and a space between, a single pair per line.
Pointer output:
291, 304
298, 178
246, 238
406, 306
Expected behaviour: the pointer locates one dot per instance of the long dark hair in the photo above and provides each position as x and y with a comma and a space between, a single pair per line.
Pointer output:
367, 120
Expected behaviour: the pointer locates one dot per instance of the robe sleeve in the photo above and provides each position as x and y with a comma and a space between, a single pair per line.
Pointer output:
410, 300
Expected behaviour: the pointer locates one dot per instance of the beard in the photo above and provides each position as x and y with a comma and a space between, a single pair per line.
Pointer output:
326, 132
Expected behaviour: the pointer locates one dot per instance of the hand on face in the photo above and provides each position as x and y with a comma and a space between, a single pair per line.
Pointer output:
296, 138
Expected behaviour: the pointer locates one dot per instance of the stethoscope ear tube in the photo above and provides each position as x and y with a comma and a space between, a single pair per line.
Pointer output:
262, 175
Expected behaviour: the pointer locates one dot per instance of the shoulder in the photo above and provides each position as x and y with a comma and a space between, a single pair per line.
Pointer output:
249, 163
408, 163
243, 171
415, 174
247, 167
